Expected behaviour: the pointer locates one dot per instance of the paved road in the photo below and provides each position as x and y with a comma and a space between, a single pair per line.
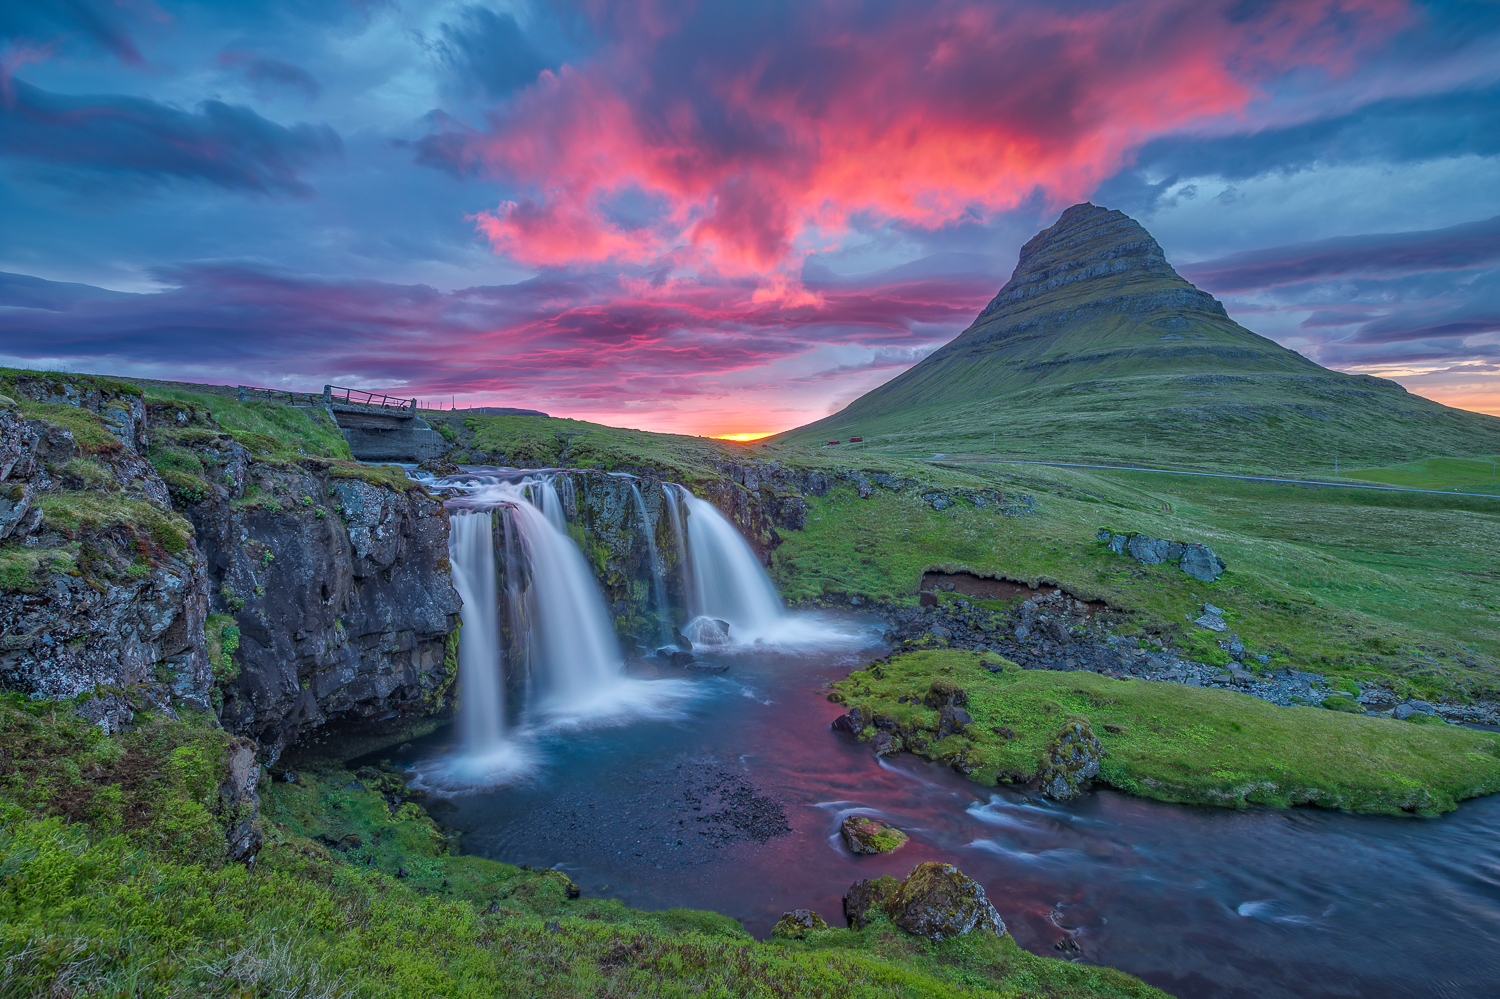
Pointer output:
1214, 475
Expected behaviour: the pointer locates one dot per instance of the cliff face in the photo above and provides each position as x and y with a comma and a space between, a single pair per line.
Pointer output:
100, 581
135, 535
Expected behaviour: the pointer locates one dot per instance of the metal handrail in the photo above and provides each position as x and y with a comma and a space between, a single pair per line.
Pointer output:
374, 400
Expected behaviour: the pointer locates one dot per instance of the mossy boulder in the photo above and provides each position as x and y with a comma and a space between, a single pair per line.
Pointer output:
938, 901
1072, 757
797, 923
863, 834
867, 899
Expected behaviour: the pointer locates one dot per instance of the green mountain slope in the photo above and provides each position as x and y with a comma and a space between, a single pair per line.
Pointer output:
1096, 349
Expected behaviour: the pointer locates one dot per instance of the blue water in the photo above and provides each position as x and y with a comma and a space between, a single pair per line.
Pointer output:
1199, 902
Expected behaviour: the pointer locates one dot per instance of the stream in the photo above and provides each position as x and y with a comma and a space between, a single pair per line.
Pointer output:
730, 799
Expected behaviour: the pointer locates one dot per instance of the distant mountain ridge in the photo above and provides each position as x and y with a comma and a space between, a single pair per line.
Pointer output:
1096, 344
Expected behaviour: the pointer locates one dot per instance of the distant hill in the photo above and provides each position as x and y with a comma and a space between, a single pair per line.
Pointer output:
1097, 350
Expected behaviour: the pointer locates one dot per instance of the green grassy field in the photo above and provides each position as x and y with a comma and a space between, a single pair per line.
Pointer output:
114, 883
1391, 587
1178, 743
1458, 474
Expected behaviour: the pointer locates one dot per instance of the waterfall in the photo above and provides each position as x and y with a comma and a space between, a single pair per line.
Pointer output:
543, 494
471, 551
725, 581
658, 586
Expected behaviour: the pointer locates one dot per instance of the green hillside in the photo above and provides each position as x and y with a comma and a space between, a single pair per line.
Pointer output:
1097, 350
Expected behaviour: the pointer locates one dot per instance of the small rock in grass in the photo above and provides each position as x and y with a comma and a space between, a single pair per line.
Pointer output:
1212, 622
797, 923
1004, 732
1072, 758
863, 834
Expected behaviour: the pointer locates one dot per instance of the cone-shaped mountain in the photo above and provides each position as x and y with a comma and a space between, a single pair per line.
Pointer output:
1096, 349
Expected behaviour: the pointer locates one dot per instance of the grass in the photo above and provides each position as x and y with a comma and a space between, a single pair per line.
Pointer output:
1458, 474
112, 853
72, 512
535, 441
1386, 587
1178, 743
269, 430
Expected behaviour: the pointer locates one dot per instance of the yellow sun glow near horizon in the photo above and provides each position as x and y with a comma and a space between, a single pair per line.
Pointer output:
743, 437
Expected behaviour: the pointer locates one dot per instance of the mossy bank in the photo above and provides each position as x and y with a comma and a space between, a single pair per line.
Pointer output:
1165, 741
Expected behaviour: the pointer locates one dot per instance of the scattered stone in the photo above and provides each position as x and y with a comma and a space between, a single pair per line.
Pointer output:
863, 834
1072, 758
1212, 619
798, 923
867, 899
939, 902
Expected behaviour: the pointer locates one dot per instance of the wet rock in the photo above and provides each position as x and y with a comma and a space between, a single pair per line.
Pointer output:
699, 666
676, 657
939, 902
707, 631
798, 923
1407, 709
1071, 759
867, 899
853, 722
885, 744
863, 834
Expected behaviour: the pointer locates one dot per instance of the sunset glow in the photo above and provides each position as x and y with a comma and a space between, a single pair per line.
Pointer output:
689, 216
744, 438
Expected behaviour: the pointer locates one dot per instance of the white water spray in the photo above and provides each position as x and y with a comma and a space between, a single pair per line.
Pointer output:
726, 582
471, 551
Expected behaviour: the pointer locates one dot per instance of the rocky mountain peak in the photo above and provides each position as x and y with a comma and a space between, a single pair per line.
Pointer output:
1087, 243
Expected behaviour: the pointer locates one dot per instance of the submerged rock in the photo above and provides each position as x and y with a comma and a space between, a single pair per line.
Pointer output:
863, 834
707, 631
1072, 758
797, 923
939, 902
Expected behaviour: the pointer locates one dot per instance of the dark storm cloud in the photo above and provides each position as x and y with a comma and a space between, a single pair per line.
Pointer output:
63, 23
1454, 248
1399, 130
488, 50
222, 144
271, 74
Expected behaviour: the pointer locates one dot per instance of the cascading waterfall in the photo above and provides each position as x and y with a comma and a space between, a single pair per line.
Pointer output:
725, 581
544, 495
658, 583
471, 551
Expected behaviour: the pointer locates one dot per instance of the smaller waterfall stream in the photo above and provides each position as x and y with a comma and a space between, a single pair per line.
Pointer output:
725, 581
658, 583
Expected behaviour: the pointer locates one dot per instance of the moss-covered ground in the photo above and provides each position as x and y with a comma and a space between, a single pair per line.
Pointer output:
113, 882
1178, 743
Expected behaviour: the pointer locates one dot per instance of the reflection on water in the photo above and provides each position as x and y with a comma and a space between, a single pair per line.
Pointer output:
1200, 902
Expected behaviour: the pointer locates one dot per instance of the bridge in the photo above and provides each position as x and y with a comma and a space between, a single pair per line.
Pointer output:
378, 426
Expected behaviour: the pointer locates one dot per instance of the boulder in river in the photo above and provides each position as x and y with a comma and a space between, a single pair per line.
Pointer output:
797, 923
863, 834
852, 722
1072, 757
938, 901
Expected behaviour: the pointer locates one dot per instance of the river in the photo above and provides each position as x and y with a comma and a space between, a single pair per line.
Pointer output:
733, 799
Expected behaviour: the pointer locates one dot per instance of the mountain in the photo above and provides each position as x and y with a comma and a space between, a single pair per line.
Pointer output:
1097, 350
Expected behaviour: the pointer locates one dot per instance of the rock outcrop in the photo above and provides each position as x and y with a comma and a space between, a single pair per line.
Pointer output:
798, 923
936, 901
863, 834
1071, 759
1196, 559
127, 523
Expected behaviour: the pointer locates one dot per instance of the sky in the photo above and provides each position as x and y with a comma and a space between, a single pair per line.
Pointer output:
712, 218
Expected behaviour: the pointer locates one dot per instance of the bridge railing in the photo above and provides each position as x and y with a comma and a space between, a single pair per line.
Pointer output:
247, 393
338, 395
